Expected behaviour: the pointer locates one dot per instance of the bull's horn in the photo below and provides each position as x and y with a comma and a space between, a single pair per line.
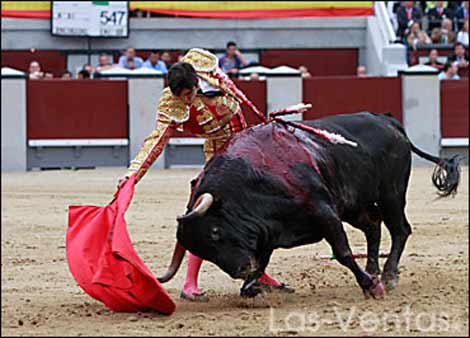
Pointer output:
178, 255
202, 204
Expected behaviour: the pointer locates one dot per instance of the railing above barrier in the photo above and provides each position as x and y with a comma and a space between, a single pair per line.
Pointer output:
386, 28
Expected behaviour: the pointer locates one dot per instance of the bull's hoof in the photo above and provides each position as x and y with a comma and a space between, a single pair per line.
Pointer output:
252, 291
390, 281
391, 284
195, 297
376, 290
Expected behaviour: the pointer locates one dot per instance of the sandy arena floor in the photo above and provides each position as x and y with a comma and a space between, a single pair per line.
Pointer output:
40, 297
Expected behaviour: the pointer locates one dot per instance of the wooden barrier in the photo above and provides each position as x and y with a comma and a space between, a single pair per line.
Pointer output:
77, 109
335, 95
454, 109
320, 62
256, 92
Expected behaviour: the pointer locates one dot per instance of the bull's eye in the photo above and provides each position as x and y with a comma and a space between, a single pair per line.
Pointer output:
215, 233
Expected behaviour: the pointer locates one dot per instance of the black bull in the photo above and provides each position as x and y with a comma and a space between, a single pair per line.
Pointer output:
274, 186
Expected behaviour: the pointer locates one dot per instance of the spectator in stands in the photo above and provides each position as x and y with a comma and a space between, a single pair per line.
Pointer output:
35, 72
304, 72
406, 15
438, 13
89, 68
131, 64
130, 55
462, 36
66, 75
460, 57
417, 37
233, 60
361, 71
103, 63
433, 55
462, 11
449, 72
453, 6
83, 75
166, 57
254, 77
154, 62
445, 34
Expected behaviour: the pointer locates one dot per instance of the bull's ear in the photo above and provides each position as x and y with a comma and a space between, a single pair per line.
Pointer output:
217, 204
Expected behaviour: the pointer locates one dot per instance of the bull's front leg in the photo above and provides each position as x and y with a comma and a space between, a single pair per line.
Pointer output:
251, 287
335, 235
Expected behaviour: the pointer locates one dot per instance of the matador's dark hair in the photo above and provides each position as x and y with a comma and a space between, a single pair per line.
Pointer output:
182, 76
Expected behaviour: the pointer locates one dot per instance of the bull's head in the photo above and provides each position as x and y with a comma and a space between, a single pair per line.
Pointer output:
229, 220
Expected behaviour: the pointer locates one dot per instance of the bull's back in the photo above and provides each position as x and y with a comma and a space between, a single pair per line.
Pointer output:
381, 161
377, 135
303, 162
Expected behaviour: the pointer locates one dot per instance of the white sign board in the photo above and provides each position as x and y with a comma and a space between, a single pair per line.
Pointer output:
90, 18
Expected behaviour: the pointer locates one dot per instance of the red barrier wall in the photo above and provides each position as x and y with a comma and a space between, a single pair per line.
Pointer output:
335, 95
51, 61
76, 109
256, 92
320, 62
454, 108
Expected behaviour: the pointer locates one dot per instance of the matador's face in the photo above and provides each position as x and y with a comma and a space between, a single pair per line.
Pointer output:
188, 95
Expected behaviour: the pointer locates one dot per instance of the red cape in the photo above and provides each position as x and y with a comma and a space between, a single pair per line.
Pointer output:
103, 261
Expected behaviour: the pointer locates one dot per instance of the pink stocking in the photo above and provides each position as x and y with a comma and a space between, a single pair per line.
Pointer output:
190, 284
267, 279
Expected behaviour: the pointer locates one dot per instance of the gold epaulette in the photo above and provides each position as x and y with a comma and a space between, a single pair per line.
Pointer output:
201, 59
172, 107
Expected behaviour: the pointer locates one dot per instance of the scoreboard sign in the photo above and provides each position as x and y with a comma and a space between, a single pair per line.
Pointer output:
90, 18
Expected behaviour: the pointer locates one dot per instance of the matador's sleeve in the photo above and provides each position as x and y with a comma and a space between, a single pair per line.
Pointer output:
171, 113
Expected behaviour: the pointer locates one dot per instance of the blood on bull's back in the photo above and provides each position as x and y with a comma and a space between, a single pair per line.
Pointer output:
274, 148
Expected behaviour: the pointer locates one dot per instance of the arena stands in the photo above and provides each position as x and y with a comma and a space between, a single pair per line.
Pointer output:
339, 64
435, 25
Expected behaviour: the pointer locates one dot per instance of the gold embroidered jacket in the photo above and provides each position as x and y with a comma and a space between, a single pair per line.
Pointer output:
214, 118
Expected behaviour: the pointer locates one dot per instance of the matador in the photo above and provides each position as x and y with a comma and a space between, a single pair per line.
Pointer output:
202, 99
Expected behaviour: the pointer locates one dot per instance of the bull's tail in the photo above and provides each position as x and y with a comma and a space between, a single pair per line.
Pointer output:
446, 175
